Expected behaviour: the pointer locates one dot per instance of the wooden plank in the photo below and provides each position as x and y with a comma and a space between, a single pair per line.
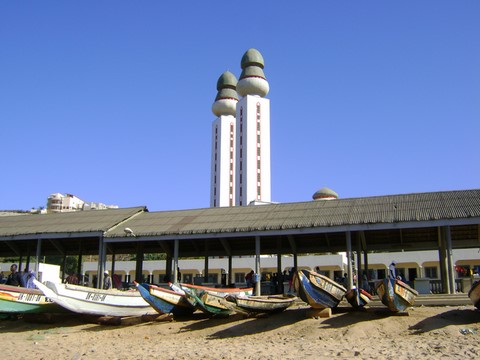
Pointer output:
319, 313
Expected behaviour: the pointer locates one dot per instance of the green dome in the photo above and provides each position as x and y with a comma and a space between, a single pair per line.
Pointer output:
252, 58
227, 80
227, 94
252, 71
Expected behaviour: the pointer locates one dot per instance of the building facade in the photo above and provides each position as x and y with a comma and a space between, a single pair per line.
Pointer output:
57, 203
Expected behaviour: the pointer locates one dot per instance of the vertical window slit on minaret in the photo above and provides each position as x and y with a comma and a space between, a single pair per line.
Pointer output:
259, 169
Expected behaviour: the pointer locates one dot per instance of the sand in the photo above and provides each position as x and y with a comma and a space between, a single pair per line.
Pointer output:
419, 333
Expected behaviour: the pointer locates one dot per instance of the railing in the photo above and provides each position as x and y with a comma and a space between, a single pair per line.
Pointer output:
461, 285
436, 286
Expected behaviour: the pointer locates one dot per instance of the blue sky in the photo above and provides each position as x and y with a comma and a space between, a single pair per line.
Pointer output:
111, 100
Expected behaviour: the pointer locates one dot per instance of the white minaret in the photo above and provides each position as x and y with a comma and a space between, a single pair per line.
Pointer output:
252, 174
222, 181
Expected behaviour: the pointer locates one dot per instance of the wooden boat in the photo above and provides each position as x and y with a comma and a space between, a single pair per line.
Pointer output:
260, 304
19, 300
210, 300
395, 294
165, 301
216, 291
210, 303
317, 290
474, 294
86, 300
357, 298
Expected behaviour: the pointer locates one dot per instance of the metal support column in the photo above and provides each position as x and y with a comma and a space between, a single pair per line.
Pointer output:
205, 267
230, 279
258, 284
349, 260
442, 259
37, 256
175, 261
450, 264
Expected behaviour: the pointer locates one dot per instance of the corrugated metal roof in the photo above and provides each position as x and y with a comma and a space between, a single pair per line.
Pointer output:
73, 222
420, 207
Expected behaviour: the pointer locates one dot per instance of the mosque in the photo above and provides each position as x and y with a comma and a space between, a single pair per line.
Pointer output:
433, 237
240, 173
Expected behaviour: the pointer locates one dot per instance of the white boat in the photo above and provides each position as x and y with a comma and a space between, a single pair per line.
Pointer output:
86, 300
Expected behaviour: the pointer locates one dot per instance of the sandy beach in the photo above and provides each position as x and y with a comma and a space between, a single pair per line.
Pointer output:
421, 332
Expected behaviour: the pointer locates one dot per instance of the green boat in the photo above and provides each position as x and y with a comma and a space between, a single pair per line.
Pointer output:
19, 300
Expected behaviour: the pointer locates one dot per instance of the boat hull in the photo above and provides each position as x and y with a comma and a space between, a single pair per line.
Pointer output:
165, 301
261, 304
18, 300
317, 290
358, 299
85, 300
474, 294
395, 294
211, 300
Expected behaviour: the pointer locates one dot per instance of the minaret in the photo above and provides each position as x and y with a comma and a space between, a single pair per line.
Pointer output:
252, 176
222, 179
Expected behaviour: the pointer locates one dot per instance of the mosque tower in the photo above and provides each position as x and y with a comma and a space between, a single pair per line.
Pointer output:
252, 174
222, 188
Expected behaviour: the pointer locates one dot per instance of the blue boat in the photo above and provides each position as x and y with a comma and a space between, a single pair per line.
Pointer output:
165, 301
395, 294
474, 294
358, 299
318, 291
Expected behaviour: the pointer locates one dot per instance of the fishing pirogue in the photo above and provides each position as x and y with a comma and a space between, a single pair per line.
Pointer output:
18, 300
474, 294
395, 294
165, 301
317, 290
86, 300
210, 300
251, 304
358, 297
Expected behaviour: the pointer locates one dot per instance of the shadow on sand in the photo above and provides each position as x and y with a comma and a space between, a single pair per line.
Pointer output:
348, 316
457, 317
261, 323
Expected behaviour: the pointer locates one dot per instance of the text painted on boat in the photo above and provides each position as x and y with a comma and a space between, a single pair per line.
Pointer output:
32, 298
95, 297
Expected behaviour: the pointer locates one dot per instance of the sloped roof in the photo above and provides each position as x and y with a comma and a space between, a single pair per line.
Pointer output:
392, 209
72, 222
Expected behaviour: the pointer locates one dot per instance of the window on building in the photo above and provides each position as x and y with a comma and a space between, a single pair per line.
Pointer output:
381, 273
431, 272
239, 277
188, 278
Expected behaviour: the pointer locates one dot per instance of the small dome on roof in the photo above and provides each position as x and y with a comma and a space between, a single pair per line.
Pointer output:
227, 80
325, 194
252, 58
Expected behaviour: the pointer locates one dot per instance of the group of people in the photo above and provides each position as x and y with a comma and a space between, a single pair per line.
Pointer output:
17, 278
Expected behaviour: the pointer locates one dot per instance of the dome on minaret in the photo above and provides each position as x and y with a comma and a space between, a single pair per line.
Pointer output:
325, 194
227, 80
252, 80
227, 97
252, 58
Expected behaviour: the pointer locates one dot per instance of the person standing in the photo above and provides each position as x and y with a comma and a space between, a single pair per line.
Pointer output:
107, 281
392, 271
15, 278
249, 279
30, 277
